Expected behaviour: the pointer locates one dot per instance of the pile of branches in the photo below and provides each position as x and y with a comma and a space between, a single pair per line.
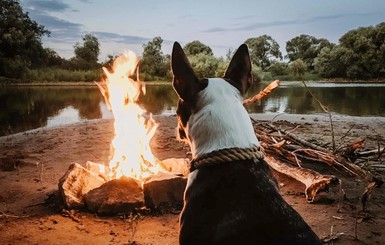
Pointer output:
285, 152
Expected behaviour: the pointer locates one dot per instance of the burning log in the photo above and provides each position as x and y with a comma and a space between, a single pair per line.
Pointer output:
91, 188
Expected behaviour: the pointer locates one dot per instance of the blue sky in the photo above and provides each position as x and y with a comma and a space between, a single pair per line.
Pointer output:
220, 24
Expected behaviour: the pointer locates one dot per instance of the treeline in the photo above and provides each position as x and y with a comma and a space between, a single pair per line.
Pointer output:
360, 54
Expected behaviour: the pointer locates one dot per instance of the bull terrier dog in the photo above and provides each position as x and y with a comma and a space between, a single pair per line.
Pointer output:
231, 197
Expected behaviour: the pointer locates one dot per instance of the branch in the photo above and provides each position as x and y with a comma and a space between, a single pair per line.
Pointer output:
258, 97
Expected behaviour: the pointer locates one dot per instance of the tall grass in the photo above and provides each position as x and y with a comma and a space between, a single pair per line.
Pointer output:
62, 75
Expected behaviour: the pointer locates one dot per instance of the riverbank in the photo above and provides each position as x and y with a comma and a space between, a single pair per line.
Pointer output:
32, 163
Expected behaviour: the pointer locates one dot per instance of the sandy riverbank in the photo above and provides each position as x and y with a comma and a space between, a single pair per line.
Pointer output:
43, 155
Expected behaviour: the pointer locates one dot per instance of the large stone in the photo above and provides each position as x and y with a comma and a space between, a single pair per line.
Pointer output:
117, 196
98, 169
75, 184
177, 165
164, 190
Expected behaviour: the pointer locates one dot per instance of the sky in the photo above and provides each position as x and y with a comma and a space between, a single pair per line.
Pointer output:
222, 25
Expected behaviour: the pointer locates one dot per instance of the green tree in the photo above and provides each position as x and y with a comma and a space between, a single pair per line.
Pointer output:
204, 65
20, 40
87, 53
298, 68
359, 55
334, 62
263, 50
196, 47
306, 48
367, 43
278, 68
52, 58
154, 64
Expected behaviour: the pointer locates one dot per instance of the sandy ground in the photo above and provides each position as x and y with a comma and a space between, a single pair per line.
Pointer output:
32, 162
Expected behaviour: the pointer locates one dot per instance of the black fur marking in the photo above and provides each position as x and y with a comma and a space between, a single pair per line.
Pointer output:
238, 203
184, 111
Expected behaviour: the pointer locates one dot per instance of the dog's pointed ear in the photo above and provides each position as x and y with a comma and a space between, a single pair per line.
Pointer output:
185, 83
239, 69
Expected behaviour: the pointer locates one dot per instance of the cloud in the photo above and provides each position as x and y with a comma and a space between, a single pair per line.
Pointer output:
260, 25
61, 29
115, 37
47, 5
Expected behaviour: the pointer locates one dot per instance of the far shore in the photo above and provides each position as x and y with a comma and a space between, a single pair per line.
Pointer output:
82, 83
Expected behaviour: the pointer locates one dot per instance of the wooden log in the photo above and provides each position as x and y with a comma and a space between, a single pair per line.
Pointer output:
258, 97
314, 182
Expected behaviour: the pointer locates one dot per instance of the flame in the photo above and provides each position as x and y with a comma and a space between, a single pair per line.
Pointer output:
131, 154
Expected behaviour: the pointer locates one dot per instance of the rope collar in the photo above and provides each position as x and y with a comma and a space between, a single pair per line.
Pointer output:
226, 155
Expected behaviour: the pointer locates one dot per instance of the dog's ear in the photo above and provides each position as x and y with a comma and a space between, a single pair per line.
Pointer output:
185, 83
239, 69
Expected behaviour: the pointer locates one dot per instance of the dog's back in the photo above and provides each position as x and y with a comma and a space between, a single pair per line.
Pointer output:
238, 203
234, 201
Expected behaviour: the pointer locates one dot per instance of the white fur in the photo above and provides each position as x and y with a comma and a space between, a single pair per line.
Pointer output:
221, 122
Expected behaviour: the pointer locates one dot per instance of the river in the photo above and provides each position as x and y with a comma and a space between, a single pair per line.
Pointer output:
29, 107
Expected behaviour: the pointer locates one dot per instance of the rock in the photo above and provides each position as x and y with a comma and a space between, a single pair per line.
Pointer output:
164, 190
75, 184
98, 169
177, 165
117, 196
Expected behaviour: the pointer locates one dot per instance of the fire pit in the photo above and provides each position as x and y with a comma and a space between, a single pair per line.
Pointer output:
133, 178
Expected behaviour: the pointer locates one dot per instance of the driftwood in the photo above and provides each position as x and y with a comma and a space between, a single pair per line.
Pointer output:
286, 153
313, 181
267, 90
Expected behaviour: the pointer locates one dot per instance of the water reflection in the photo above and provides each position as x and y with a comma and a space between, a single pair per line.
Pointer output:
26, 108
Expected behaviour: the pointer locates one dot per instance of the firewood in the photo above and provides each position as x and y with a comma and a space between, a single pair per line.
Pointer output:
352, 147
258, 97
314, 181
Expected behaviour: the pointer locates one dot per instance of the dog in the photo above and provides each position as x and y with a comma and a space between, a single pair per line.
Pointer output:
228, 201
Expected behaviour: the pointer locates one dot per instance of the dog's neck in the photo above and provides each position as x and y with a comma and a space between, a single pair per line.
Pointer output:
221, 121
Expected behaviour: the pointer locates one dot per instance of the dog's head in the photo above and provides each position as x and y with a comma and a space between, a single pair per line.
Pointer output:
210, 111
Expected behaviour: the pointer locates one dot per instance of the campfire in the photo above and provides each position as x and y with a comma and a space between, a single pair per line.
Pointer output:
133, 177
131, 154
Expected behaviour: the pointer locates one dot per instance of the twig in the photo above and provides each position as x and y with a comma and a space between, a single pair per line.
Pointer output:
299, 140
326, 110
4, 215
343, 137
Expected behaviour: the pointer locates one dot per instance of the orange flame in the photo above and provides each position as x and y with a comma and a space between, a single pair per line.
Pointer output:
131, 154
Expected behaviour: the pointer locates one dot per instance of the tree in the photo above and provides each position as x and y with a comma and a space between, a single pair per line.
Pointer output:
196, 47
298, 68
86, 54
262, 50
368, 44
334, 62
154, 64
20, 40
278, 68
306, 48
204, 65
359, 55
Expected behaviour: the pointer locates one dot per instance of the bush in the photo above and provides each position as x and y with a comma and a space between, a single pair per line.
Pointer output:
62, 75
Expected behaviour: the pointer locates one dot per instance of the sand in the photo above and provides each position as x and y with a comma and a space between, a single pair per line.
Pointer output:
32, 162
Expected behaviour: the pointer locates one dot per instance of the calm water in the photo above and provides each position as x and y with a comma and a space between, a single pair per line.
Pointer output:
25, 108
